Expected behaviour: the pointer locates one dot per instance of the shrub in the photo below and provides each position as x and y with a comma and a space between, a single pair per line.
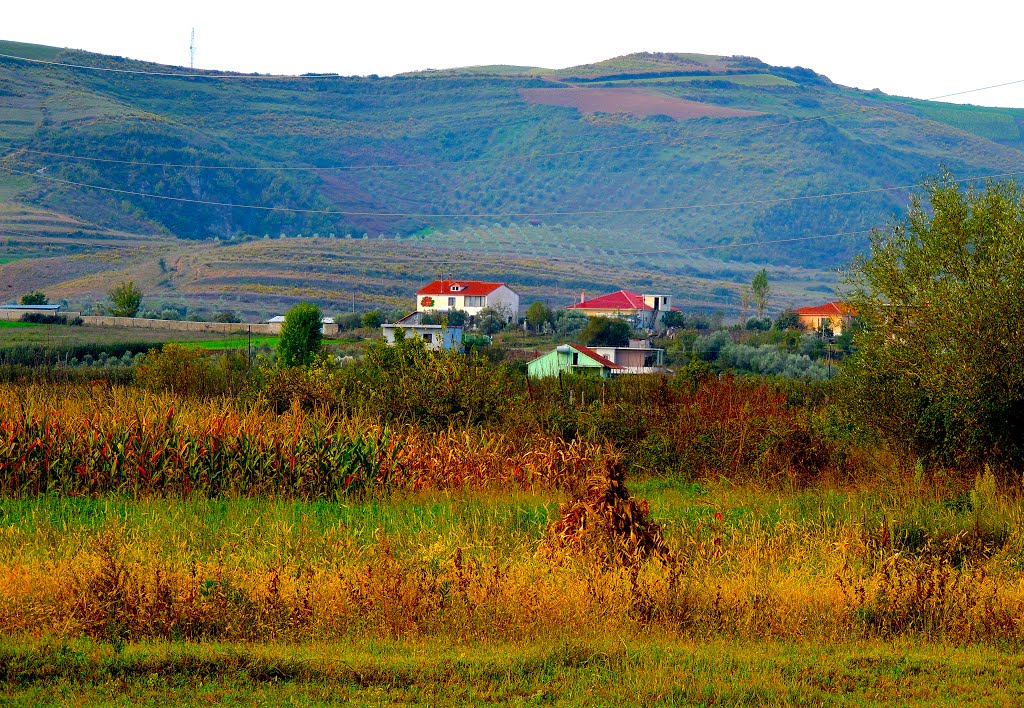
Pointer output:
301, 335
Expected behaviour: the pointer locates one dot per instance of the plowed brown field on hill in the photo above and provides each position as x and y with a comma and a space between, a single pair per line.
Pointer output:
639, 102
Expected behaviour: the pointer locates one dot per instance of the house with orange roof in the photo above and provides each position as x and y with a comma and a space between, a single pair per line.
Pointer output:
643, 310
471, 296
832, 315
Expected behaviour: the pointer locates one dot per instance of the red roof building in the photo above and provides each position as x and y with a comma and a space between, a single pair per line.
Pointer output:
645, 309
833, 315
468, 295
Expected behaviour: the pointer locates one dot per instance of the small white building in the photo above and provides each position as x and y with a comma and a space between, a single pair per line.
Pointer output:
434, 336
471, 296
327, 325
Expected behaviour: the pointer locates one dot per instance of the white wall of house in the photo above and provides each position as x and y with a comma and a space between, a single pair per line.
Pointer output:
502, 299
436, 337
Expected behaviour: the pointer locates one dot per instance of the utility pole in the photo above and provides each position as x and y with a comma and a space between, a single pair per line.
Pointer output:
192, 50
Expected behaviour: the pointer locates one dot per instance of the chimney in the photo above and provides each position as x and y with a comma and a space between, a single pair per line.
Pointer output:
583, 296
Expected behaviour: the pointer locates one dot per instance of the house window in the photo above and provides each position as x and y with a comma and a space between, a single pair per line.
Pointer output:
428, 337
575, 359
451, 302
474, 301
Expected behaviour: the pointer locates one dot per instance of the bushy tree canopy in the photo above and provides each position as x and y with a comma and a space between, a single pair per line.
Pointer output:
606, 332
537, 314
940, 361
125, 299
36, 297
300, 335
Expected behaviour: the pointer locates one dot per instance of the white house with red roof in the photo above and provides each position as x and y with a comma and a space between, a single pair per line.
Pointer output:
468, 295
834, 315
645, 310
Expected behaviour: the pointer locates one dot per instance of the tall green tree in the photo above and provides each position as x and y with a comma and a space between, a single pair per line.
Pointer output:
301, 335
760, 290
125, 299
606, 332
537, 314
940, 360
36, 297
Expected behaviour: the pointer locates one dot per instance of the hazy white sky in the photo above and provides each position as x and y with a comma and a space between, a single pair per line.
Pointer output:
906, 47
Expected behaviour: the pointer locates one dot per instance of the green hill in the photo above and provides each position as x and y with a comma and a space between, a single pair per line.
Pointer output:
488, 149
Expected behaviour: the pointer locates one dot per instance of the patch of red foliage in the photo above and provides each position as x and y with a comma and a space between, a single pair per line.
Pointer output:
635, 101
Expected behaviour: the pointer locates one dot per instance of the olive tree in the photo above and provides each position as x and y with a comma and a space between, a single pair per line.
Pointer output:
940, 359
301, 335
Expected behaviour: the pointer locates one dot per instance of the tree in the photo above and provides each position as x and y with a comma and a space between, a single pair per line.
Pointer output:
490, 321
36, 297
940, 298
125, 299
229, 316
301, 335
606, 332
760, 290
537, 314
372, 318
672, 319
787, 319
456, 318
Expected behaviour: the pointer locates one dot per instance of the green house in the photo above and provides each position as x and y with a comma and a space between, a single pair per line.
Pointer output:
571, 358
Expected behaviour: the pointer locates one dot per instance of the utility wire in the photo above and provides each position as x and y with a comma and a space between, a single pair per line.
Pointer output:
513, 158
499, 215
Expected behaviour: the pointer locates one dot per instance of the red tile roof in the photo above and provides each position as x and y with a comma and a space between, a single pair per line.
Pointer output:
829, 309
621, 300
468, 287
595, 356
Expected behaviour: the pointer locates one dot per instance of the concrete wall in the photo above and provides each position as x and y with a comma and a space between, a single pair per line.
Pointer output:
180, 325
329, 330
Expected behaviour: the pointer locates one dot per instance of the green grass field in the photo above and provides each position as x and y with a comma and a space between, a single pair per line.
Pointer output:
6, 324
611, 670
234, 343
596, 658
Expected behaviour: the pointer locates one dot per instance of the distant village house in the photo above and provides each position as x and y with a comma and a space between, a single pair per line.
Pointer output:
642, 310
471, 296
328, 326
832, 315
638, 358
436, 337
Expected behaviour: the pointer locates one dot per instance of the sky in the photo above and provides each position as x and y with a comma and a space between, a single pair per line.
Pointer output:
909, 48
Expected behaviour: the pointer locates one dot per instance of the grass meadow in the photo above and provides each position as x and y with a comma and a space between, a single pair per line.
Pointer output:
160, 545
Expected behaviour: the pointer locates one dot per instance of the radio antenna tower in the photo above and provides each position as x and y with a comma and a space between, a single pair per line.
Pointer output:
192, 50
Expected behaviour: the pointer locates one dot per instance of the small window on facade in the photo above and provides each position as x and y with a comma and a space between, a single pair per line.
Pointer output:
428, 337
451, 302
575, 358
474, 301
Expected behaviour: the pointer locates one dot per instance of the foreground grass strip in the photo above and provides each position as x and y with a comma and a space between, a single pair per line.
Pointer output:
628, 670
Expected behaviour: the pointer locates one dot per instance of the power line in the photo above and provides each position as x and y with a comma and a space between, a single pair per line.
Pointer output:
499, 215
531, 156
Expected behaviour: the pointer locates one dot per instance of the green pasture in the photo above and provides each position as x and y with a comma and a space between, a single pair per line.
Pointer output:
607, 670
241, 342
